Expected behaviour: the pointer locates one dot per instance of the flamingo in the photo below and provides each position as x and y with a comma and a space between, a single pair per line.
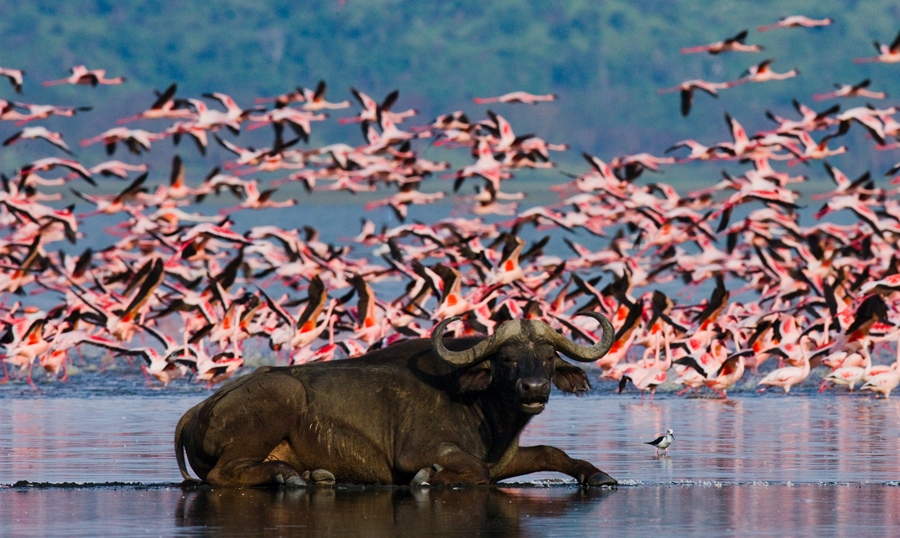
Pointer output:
116, 168
851, 90
116, 203
816, 150
735, 43
794, 21
39, 112
82, 75
371, 109
408, 195
34, 133
165, 106
301, 332
887, 54
217, 368
315, 99
15, 77
698, 152
810, 120
190, 128
517, 97
884, 382
165, 366
136, 140
848, 375
726, 375
843, 184
762, 72
788, 376
868, 117
50, 163
688, 87
25, 341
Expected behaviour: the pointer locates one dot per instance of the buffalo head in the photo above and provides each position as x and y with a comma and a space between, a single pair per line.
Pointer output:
524, 360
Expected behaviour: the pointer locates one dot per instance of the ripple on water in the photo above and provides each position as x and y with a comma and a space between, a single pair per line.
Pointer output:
830, 460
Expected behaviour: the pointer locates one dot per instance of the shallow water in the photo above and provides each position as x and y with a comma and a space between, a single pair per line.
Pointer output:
751, 510
825, 463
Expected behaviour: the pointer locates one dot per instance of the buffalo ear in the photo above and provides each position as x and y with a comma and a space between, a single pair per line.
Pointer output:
569, 378
475, 378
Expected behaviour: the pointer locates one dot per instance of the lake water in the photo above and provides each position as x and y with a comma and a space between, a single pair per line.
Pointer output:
79, 463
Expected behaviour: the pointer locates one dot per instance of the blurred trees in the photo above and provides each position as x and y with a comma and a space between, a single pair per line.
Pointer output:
606, 59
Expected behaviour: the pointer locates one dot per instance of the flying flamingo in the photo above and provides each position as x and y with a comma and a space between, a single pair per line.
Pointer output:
843, 184
14, 76
136, 140
688, 87
735, 43
34, 133
728, 372
868, 117
50, 163
163, 366
299, 333
887, 54
762, 72
371, 110
214, 369
82, 75
409, 194
813, 150
25, 340
851, 90
39, 112
794, 21
165, 106
698, 151
517, 97
116, 168
315, 99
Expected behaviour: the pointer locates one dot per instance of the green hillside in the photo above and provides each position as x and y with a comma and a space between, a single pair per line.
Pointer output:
606, 60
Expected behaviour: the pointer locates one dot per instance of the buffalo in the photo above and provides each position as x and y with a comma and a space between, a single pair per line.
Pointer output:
425, 411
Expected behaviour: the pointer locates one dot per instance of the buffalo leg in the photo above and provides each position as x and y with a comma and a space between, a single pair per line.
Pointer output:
533, 459
231, 472
450, 465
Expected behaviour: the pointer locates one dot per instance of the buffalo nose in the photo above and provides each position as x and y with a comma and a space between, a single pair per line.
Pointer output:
534, 388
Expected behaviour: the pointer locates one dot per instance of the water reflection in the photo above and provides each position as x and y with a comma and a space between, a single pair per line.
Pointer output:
324, 512
736, 510
760, 510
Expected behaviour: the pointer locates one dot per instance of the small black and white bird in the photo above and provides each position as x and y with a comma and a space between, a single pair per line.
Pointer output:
663, 442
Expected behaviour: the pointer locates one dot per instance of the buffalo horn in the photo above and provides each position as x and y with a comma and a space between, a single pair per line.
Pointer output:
479, 350
512, 329
579, 352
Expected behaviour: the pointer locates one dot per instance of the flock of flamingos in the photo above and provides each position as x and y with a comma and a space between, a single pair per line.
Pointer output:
180, 288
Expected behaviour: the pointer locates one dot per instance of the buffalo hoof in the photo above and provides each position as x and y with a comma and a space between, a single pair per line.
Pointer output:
421, 478
292, 482
424, 475
601, 479
320, 477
